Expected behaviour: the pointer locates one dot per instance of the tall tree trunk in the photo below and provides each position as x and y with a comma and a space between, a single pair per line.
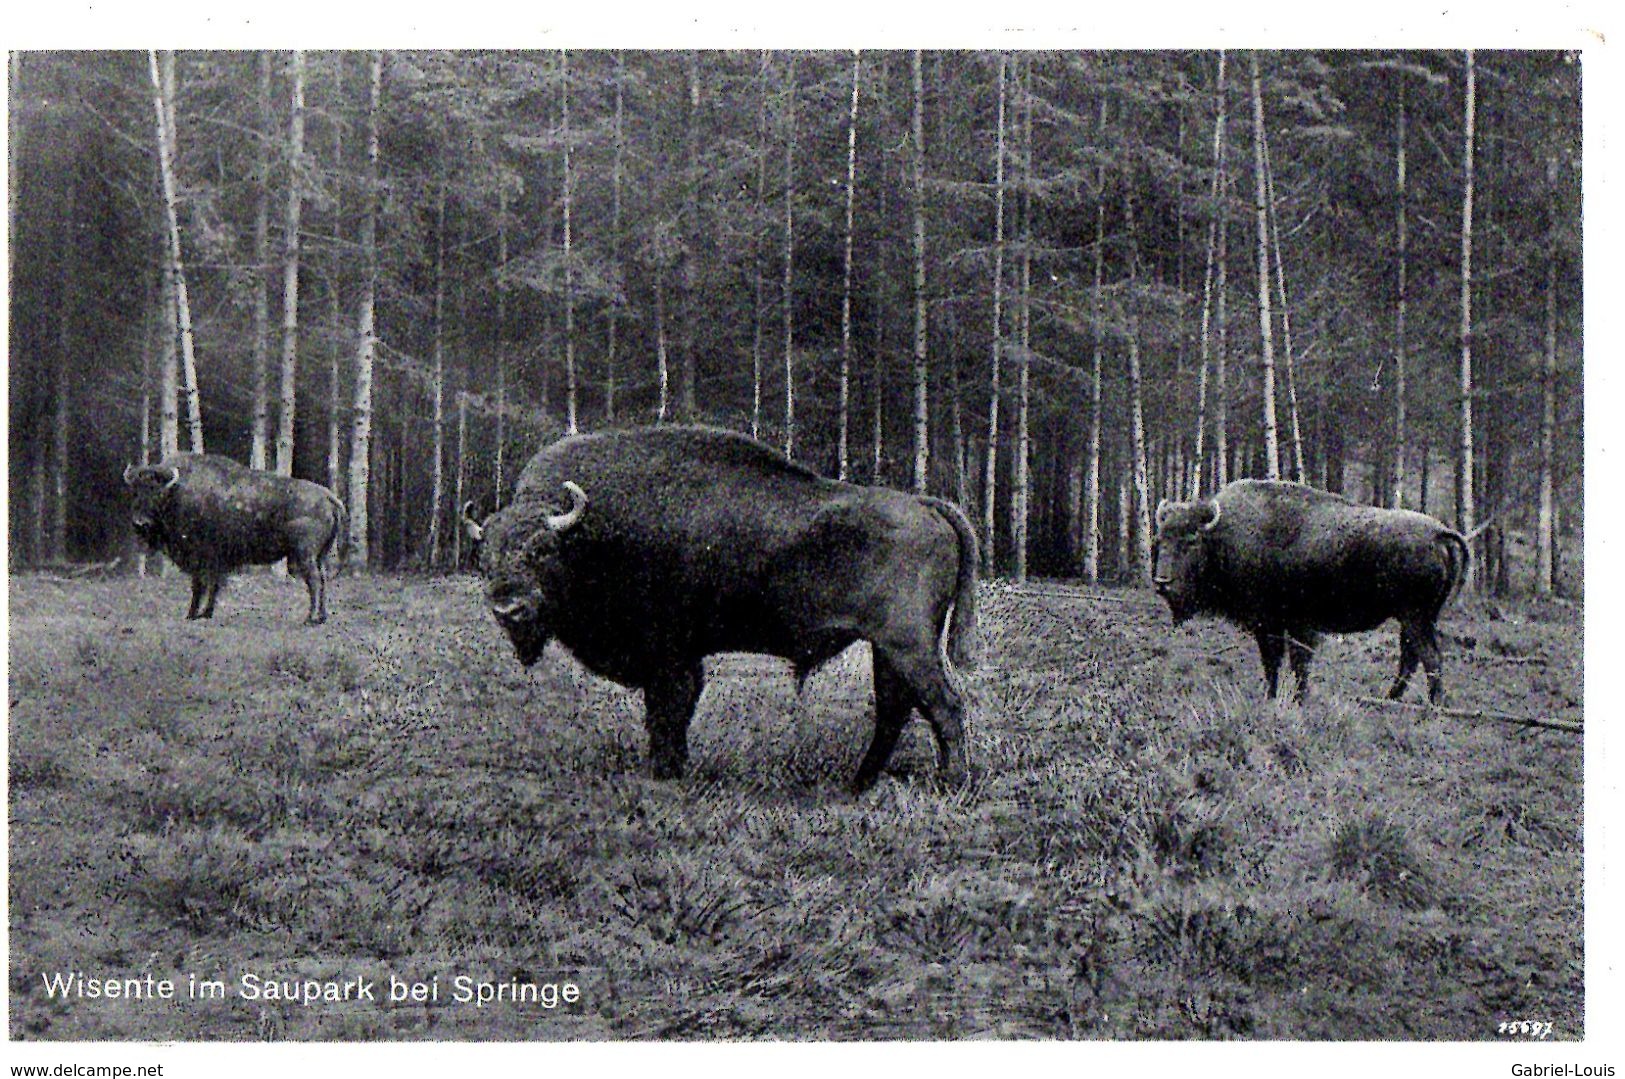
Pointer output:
570, 424
1221, 352
844, 421
1545, 533
757, 245
1219, 143
260, 436
62, 395
990, 476
163, 87
290, 269
662, 366
1142, 492
461, 480
878, 374
692, 244
501, 336
1294, 424
437, 375
1021, 488
789, 259
618, 175
1464, 473
1401, 301
150, 327
922, 412
361, 432
335, 479
1091, 550
1266, 334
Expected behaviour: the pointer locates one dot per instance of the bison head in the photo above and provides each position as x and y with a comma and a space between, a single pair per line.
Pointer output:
519, 555
149, 486
1180, 553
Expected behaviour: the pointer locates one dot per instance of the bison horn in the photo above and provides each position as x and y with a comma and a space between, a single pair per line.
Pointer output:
1161, 507
558, 522
129, 475
475, 530
1216, 511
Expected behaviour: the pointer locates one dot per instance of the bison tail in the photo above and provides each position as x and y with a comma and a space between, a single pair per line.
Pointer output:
1458, 560
962, 621
339, 541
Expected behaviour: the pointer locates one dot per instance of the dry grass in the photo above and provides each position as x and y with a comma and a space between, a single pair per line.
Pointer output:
1150, 850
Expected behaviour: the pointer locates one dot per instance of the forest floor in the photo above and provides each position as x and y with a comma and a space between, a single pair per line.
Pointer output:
1150, 850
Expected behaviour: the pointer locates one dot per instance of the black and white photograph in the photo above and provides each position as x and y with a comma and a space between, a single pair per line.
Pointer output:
729, 541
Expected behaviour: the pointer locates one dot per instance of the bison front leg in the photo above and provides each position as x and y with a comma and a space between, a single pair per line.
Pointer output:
1271, 646
668, 704
212, 583
199, 585
1301, 647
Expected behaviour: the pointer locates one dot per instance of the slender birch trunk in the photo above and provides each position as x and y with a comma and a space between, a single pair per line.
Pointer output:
290, 269
437, 377
1464, 475
990, 475
361, 432
1401, 301
335, 478
1142, 492
845, 408
62, 395
1294, 424
662, 366
570, 424
163, 88
922, 412
1091, 550
757, 246
789, 260
1545, 533
461, 480
501, 336
1272, 455
1022, 486
618, 177
689, 407
260, 435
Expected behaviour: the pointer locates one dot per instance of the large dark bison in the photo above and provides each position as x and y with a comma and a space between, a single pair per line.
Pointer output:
645, 551
211, 516
1290, 563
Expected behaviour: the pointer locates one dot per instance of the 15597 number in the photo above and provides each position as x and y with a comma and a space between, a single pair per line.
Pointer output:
1526, 1028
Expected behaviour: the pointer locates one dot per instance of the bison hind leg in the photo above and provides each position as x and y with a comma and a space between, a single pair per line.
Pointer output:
921, 670
1409, 656
894, 702
199, 586
212, 584
310, 571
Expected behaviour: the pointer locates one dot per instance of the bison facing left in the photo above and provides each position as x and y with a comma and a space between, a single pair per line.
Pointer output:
211, 516
680, 542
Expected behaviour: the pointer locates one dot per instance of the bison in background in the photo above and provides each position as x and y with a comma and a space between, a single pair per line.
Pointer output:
681, 542
211, 516
1289, 563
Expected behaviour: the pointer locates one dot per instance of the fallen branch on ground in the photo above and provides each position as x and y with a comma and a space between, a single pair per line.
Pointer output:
1480, 713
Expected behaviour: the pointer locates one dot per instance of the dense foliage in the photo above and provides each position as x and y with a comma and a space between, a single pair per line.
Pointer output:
621, 238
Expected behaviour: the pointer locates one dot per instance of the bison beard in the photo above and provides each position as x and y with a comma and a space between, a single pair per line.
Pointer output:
211, 516
1290, 563
681, 542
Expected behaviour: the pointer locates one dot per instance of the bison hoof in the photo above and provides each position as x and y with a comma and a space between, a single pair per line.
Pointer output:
665, 769
315, 621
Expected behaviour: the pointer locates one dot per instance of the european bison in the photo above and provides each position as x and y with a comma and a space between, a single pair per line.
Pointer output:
680, 542
211, 516
1289, 563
